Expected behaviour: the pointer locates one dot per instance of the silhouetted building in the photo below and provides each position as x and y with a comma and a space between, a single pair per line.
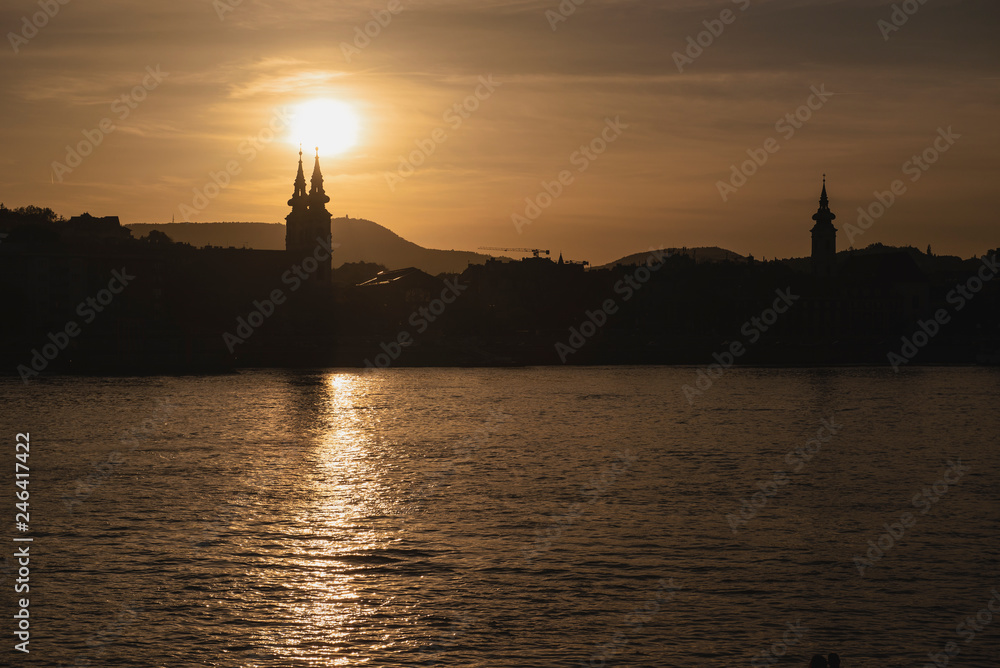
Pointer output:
406, 288
875, 296
824, 238
309, 221
92, 228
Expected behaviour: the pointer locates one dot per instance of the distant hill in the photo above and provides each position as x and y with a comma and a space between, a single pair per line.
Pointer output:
360, 241
926, 262
365, 241
702, 254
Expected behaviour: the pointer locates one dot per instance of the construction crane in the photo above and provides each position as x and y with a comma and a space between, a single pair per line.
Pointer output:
533, 251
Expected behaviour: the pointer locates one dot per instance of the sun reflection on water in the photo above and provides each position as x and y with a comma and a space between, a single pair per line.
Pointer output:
343, 504
336, 543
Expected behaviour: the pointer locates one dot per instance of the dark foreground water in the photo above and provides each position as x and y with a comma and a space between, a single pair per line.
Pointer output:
536, 517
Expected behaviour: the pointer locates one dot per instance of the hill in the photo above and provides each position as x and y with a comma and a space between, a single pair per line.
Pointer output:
360, 241
702, 254
927, 263
364, 241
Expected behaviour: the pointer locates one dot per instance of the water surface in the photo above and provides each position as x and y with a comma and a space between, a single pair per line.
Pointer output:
530, 517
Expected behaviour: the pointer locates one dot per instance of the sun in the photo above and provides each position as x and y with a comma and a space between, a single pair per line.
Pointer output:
331, 125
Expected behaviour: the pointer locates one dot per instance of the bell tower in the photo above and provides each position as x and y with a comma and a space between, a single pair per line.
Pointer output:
308, 222
824, 237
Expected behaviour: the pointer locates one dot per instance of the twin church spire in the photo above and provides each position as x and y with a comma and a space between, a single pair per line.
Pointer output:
307, 226
316, 199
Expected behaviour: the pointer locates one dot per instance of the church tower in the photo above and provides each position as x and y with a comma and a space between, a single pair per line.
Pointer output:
824, 238
309, 221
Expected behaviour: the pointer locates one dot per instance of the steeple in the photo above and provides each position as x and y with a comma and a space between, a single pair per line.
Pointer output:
299, 196
317, 196
824, 201
824, 237
823, 216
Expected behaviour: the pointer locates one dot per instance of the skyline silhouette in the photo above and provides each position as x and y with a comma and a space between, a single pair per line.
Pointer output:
309, 219
292, 308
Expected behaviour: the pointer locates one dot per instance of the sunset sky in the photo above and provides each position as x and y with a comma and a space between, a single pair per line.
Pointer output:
214, 74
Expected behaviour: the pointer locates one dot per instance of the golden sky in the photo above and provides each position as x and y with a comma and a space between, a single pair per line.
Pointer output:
200, 78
